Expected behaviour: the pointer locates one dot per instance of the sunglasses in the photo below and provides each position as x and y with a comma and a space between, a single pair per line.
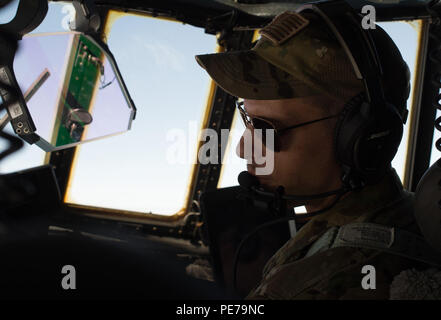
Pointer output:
264, 125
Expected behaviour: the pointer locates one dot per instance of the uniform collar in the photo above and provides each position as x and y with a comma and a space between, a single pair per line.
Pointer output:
358, 206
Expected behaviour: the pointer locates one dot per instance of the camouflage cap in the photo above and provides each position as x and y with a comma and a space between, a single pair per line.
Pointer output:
298, 55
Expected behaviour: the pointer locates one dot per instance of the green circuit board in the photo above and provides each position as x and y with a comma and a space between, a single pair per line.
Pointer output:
80, 87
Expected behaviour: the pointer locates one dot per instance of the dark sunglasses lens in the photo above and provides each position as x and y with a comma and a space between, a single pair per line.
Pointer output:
264, 126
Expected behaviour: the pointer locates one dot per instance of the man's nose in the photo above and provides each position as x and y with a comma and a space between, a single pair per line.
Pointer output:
245, 147
240, 148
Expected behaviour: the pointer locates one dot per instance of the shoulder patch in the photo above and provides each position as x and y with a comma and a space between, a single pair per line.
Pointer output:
283, 27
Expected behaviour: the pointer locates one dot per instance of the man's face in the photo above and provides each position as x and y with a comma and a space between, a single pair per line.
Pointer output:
305, 163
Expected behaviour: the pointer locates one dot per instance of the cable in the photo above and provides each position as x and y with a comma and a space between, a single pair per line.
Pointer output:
270, 223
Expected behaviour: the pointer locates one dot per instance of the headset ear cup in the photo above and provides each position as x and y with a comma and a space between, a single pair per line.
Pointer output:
366, 143
348, 130
379, 143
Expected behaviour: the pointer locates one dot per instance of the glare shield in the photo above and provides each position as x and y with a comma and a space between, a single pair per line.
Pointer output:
73, 89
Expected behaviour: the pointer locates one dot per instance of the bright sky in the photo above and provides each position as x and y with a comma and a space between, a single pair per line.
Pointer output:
133, 171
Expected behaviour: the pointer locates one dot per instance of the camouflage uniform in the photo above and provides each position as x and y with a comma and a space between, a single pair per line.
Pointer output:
336, 273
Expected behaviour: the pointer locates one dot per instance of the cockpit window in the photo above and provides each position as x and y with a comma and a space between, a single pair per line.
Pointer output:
406, 37
148, 169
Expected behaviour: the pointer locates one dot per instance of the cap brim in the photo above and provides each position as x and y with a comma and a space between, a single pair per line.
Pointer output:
246, 75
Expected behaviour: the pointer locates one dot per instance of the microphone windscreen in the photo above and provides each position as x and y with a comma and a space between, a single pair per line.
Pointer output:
247, 180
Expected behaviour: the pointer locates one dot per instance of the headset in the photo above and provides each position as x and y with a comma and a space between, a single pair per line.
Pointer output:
369, 129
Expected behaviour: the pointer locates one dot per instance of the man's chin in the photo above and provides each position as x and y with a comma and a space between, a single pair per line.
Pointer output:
272, 187
265, 181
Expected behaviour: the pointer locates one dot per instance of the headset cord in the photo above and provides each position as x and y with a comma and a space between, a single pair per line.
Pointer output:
270, 223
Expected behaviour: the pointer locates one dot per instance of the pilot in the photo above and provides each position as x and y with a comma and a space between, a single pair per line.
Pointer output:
298, 77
